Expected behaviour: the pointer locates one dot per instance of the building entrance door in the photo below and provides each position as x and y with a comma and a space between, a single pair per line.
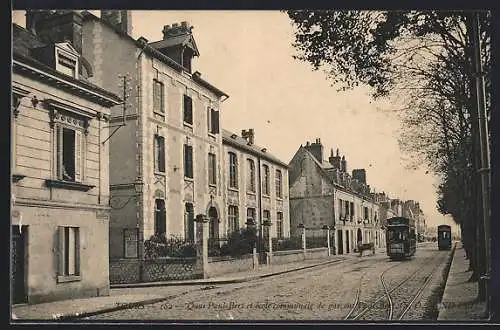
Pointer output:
18, 263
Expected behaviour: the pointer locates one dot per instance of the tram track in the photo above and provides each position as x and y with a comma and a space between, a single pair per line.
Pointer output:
386, 295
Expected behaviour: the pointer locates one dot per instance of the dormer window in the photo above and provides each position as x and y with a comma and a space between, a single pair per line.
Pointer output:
66, 60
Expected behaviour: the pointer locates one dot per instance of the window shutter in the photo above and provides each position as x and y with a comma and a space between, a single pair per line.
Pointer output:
60, 250
59, 147
162, 100
78, 156
188, 109
161, 156
215, 121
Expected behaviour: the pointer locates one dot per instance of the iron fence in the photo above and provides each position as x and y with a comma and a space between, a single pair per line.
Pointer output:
288, 243
218, 246
316, 240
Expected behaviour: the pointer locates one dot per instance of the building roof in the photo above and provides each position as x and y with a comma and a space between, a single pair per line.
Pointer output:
241, 143
23, 41
148, 48
324, 172
182, 39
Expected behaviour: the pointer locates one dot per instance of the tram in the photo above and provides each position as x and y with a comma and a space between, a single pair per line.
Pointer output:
401, 238
444, 237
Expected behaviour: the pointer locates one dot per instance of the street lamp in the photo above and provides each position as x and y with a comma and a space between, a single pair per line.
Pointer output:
327, 228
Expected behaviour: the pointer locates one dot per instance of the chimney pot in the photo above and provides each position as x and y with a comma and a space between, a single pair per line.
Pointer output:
175, 25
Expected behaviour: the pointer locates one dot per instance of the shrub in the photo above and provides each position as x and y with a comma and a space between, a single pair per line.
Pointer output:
240, 243
158, 246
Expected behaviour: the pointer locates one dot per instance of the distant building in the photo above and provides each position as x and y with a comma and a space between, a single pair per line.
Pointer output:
324, 193
59, 166
256, 186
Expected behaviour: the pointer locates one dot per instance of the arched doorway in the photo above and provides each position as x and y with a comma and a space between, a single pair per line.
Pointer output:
214, 222
360, 236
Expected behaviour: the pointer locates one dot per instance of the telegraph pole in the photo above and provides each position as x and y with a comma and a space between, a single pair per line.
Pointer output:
484, 169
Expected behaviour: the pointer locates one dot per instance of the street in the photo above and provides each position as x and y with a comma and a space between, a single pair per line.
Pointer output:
367, 288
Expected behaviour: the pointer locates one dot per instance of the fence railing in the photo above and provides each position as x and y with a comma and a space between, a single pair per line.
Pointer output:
316, 240
288, 243
218, 246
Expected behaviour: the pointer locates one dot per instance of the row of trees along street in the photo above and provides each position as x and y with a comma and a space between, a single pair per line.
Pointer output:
438, 65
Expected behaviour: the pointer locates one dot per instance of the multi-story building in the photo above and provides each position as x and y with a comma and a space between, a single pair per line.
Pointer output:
59, 167
165, 144
166, 156
324, 193
256, 186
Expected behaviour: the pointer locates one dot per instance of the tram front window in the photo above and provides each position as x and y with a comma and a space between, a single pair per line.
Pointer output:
397, 235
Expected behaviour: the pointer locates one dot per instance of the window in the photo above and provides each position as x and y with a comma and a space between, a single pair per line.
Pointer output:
251, 175
160, 217
233, 219
341, 208
279, 225
352, 210
213, 121
265, 188
233, 170
189, 221
251, 214
265, 218
366, 213
66, 65
69, 154
347, 211
159, 146
278, 181
158, 97
188, 110
188, 161
69, 247
212, 169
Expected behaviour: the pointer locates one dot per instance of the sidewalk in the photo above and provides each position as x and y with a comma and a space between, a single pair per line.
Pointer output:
459, 297
127, 296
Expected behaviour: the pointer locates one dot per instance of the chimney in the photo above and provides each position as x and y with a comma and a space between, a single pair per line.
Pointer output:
54, 26
248, 135
316, 149
334, 160
360, 175
343, 164
176, 29
120, 19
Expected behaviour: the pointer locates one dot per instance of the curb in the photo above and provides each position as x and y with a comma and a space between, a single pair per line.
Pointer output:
157, 300
450, 260
215, 281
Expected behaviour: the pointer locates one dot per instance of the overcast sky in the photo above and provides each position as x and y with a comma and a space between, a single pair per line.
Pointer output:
248, 55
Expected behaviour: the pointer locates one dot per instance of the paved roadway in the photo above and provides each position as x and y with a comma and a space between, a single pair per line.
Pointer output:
367, 288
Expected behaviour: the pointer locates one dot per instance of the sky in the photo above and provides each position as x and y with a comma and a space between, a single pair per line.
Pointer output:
248, 55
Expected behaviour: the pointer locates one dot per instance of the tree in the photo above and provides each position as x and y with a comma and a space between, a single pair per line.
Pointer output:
424, 60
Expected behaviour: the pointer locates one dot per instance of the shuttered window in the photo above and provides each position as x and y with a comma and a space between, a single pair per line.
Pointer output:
188, 110
212, 169
159, 149
69, 154
188, 161
69, 251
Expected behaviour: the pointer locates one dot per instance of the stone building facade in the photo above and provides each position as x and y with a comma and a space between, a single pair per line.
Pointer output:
166, 152
324, 193
59, 167
255, 186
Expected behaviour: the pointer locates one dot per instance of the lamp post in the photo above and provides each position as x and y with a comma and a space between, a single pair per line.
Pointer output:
301, 226
325, 227
267, 225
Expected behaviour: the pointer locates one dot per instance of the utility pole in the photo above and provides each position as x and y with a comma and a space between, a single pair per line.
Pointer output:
484, 169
